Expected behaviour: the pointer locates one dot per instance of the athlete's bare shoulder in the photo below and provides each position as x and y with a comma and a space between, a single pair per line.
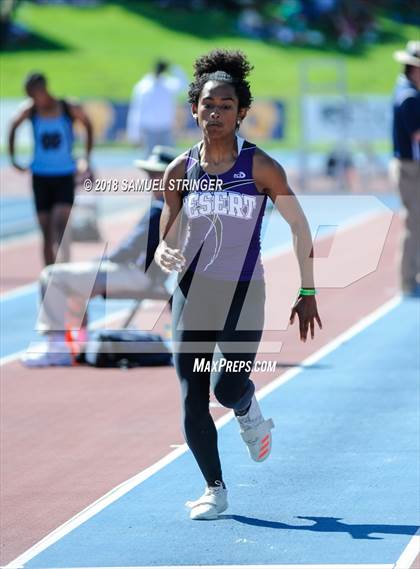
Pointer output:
268, 173
176, 168
263, 161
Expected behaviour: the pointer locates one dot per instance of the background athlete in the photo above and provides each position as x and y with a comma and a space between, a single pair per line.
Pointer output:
53, 166
218, 306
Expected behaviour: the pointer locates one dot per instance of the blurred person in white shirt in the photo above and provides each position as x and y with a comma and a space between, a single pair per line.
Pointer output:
152, 111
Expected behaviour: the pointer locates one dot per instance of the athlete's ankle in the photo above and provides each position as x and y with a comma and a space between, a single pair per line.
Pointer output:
242, 412
216, 483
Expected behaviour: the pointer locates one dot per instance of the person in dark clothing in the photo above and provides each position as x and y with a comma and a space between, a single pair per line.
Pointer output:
406, 145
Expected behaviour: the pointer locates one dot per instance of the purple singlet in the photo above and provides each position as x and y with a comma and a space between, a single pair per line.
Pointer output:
223, 217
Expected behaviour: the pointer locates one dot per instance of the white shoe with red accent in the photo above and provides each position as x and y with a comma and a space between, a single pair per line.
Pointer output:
256, 432
54, 352
212, 503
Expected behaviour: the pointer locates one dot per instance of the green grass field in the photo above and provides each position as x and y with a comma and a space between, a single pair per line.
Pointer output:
103, 51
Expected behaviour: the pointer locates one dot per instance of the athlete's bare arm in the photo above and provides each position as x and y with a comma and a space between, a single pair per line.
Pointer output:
168, 255
271, 179
78, 114
22, 116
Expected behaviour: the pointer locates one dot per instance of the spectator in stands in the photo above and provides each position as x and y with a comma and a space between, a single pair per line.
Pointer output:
353, 21
251, 23
66, 288
406, 143
308, 22
152, 111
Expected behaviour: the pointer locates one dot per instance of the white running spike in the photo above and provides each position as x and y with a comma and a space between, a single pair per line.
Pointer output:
256, 432
212, 503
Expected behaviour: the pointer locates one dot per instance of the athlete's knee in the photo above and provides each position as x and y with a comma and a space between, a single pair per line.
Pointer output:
61, 217
195, 424
60, 227
194, 405
226, 394
234, 394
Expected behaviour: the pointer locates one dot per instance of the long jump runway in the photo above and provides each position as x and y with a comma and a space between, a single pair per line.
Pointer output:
341, 486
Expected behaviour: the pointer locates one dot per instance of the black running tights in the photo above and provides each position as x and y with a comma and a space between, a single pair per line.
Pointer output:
215, 343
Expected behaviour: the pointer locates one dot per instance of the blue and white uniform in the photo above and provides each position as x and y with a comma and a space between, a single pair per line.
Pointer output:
53, 165
53, 138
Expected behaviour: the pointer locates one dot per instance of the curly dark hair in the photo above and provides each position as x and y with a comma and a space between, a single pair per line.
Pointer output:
234, 66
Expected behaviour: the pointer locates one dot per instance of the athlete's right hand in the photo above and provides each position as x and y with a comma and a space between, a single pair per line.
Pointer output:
169, 259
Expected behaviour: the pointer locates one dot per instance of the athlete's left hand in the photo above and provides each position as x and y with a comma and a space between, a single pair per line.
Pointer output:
306, 309
169, 259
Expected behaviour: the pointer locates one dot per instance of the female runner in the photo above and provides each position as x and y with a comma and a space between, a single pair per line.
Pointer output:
210, 234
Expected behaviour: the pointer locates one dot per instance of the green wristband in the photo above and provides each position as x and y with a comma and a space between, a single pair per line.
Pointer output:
307, 292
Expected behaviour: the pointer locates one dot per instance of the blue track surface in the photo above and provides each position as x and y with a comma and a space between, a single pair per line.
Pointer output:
17, 216
340, 487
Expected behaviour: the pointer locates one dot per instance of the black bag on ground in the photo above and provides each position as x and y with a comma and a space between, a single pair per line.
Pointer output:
125, 349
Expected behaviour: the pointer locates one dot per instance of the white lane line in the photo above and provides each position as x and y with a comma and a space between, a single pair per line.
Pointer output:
11, 358
19, 291
410, 553
343, 566
131, 483
331, 346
